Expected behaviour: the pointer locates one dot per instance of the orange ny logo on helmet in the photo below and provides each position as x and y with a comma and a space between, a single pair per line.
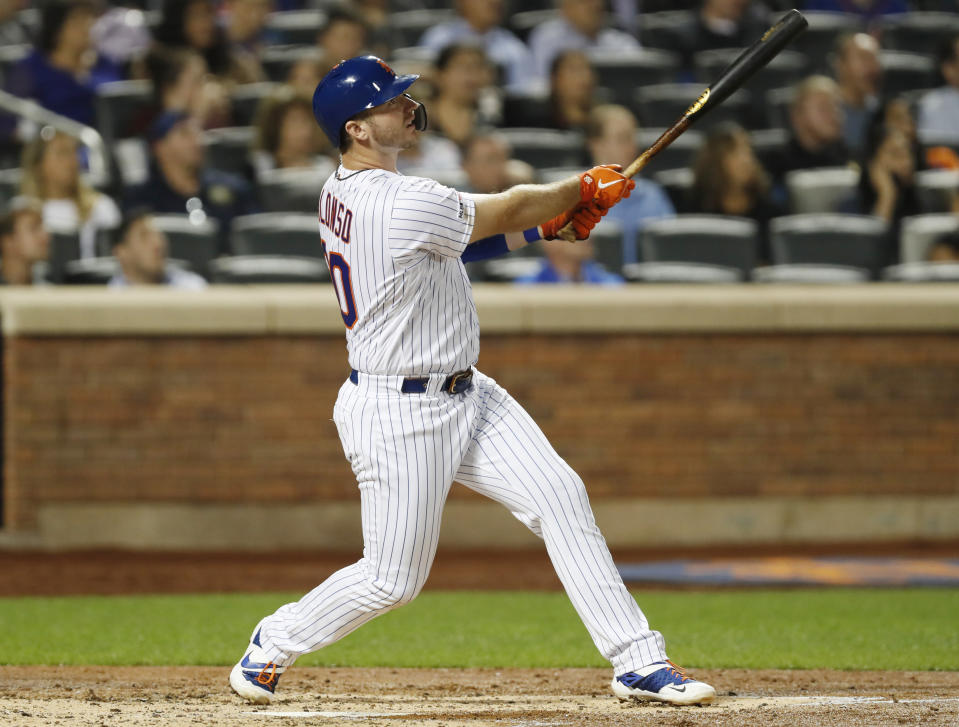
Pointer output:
385, 67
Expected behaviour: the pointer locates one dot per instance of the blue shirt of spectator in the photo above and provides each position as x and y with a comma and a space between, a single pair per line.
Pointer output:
873, 10
501, 46
644, 204
591, 273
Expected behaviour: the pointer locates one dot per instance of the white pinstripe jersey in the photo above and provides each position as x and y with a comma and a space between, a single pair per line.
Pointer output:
393, 244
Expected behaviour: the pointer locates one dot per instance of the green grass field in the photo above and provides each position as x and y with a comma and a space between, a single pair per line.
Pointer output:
836, 628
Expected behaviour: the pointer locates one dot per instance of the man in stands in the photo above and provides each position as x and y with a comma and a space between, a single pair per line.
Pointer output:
23, 242
141, 250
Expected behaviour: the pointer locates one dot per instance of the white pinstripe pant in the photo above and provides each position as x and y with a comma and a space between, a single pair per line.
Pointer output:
406, 451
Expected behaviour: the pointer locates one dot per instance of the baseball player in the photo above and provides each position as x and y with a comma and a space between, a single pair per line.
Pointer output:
414, 414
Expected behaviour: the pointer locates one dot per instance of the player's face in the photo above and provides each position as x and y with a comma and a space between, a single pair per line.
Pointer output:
391, 124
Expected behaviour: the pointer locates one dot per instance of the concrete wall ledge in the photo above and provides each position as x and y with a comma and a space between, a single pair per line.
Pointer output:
310, 310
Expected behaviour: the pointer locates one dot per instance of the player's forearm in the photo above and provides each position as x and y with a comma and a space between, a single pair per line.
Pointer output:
523, 207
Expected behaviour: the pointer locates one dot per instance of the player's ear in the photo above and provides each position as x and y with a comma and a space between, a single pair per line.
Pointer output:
356, 129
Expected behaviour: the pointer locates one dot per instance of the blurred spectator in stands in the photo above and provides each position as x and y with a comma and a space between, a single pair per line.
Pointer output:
246, 23
939, 109
121, 35
23, 242
859, 75
181, 83
611, 139
868, 10
192, 24
897, 113
489, 165
572, 96
141, 249
581, 25
287, 135
816, 121
729, 180
12, 29
306, 73
464, 100
887, 185
570, 262
431, 153
63, 71
722, 24
345, 35
51, 174
479, 22
945, 249
180, 184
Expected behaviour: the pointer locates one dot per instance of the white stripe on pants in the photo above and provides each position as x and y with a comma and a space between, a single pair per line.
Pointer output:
406, 450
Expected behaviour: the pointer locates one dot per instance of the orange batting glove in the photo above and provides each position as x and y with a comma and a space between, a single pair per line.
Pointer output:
605, 184
583, 218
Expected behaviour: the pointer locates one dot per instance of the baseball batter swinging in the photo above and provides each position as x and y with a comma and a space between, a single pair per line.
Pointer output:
414, 414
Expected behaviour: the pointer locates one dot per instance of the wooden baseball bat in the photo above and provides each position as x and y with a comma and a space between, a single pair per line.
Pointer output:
735, 75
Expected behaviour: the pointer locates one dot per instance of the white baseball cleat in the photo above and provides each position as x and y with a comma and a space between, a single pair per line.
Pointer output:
662, 682
255, 677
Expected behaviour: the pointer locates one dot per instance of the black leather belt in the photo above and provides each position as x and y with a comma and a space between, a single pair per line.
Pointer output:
454, 384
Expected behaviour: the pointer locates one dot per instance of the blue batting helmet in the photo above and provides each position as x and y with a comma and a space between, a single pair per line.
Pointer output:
355, 85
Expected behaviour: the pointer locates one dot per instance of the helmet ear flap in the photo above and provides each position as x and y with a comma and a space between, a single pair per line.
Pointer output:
419, 115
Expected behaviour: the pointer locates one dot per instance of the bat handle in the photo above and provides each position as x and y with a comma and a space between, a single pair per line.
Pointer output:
666, 138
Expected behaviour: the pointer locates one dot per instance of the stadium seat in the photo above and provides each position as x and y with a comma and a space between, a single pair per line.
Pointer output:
664, 29
246, 99
826, 189
768, 143
546, 147
937, 189
228, 149
785, 69
902, 71
918, 32
810, 273
195, 241
922, 272
622, 71
9, 55
292, 27
508, 269
118, 105
241, 269
730, 242
778, 101
522, 23
407, 27
677, 183
920, 232
659, 106
681, 273
818, 41
277, 233
856, 241
278, 59
132, 160
9, 185
681, 153
607, 239
91, 271
292, 190
64, 247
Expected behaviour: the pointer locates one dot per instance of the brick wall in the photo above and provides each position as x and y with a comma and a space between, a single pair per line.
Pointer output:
224, 420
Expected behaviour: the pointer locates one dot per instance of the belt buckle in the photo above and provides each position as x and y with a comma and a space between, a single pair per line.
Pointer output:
456, 378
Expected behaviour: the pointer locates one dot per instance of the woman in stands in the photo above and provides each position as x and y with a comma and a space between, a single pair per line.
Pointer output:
287, 135
887, 185
729, 180
64, 69
572, 97
192, 24
464, 101
182, 82
51, 174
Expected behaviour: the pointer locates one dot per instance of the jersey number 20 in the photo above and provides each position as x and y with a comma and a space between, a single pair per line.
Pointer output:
340, 272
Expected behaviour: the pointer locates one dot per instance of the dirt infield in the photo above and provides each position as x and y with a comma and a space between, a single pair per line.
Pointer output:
150, 696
